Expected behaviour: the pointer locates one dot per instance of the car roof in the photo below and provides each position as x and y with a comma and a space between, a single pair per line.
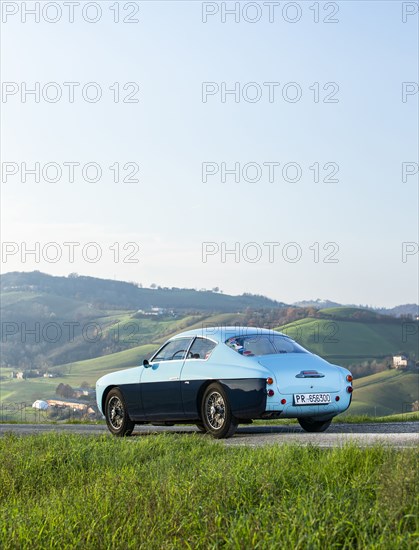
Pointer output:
223, 333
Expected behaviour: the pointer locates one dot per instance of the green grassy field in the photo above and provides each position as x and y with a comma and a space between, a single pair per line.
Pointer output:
75, 373
385, 393
412, 416
345, 341
171, 491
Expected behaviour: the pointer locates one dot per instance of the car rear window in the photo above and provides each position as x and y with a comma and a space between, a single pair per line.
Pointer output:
264, 344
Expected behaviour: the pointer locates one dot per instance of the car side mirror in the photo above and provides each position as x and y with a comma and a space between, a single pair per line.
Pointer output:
146, 364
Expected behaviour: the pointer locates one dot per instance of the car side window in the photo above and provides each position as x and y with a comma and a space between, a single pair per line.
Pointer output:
173, 350
201, 348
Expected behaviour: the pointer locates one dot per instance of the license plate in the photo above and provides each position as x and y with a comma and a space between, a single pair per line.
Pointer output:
312, 398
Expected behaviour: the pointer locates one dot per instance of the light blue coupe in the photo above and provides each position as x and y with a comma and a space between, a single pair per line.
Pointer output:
220, 377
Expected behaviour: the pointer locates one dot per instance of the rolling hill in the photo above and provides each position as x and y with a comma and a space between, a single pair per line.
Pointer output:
351, 335
402, 310
385, 393
109, 294
48, 321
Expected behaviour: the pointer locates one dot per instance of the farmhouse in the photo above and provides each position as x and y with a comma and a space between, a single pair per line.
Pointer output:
68, 403
153, 311
400, 361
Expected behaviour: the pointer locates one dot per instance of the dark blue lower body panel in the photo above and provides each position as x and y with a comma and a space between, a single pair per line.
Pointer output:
247, 397
181, 401
132, 397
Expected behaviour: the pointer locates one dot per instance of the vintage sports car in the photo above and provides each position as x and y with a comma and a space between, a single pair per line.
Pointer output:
220, 377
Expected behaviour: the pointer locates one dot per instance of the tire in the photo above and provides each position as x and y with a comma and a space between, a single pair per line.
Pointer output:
201, 427
216, 414
117, 419
311, 425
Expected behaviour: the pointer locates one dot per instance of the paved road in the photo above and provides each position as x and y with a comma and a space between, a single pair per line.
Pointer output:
401, 434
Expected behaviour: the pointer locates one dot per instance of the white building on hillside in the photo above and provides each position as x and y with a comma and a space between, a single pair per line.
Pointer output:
400, 361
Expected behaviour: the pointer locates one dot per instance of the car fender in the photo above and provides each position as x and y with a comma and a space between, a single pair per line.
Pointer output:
247, 396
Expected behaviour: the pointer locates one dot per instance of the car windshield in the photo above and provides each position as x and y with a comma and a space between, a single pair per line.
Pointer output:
264, 344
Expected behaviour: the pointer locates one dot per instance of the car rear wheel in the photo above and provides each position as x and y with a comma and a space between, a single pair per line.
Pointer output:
216, 414
117, 419
311, 425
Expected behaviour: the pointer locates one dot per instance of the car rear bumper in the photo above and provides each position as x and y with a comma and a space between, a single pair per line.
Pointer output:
290, 410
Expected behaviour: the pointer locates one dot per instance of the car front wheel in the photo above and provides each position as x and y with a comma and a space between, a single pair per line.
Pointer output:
311, 425
216, 414
117, 419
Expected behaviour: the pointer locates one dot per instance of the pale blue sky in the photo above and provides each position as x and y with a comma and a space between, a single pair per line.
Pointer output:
170, 132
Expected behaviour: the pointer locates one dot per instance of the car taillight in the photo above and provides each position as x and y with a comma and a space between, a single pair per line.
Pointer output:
283, 401
349, 389
349, 378
269, 381
271, 393
337, 398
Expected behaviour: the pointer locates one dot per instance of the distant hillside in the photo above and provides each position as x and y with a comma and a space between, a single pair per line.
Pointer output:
318, 304
400, 311
397, 311
108, 294
48, 321
385, 393
351, 335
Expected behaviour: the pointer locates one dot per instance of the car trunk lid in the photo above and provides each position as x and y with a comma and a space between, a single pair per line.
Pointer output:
300, 372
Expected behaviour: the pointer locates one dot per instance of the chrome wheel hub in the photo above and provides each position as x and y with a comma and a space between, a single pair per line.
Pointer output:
215, 410
115, 412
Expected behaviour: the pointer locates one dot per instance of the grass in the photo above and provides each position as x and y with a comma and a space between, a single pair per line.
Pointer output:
359, 419
385, 393
171, 491
350, 419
